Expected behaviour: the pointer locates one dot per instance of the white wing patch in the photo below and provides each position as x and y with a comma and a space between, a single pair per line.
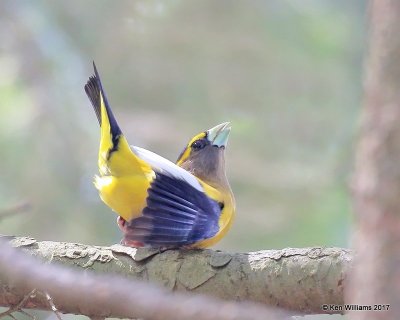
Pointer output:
165, 166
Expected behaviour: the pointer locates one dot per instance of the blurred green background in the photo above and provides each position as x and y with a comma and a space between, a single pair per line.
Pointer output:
287, 74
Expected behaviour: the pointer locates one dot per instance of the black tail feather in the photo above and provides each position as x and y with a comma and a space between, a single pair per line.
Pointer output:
93, 88
93, 92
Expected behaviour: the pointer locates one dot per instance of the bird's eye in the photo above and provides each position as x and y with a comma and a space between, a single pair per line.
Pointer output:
199, 144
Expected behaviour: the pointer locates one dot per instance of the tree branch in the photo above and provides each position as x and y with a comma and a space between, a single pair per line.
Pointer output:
301, 280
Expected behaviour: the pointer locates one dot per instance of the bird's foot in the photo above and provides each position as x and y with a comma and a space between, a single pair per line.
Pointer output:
131, 243
123, 225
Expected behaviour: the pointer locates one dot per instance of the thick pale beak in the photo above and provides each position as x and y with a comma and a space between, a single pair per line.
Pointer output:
218, 136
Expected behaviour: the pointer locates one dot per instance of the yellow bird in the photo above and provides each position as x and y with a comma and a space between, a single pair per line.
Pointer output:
162, 204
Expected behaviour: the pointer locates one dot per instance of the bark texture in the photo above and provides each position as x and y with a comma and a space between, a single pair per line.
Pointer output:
102, 296
301, 280
376, 276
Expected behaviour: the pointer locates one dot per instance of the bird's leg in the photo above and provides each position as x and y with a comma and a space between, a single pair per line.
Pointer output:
123, 225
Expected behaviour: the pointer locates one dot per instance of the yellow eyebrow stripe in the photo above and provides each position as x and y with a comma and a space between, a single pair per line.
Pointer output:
186, 152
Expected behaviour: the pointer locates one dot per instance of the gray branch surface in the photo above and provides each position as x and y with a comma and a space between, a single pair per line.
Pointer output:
300, 280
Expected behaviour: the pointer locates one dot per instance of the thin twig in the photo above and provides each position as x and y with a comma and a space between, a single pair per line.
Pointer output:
53, 306
18, 208
18, 306
27, 314
11, 316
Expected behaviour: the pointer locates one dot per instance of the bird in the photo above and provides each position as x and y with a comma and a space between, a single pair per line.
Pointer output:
160, 203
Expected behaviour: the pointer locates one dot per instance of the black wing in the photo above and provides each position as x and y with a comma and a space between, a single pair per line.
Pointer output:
176, 214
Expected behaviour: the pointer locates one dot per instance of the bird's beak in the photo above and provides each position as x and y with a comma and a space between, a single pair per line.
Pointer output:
218, 136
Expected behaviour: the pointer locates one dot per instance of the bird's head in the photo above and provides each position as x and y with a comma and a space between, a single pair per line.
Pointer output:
204, 154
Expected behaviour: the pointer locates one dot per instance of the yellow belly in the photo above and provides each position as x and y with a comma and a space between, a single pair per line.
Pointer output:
226, 218
125, 195
221, 233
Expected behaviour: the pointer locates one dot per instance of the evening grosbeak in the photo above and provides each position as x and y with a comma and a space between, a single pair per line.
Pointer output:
159, 203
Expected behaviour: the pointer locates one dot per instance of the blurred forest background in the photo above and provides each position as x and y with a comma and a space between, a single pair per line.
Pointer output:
287, 74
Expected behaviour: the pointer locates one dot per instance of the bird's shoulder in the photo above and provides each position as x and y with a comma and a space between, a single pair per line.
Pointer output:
166, 167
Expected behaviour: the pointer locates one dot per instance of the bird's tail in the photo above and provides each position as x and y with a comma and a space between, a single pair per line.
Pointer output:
95, 92
115, 154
